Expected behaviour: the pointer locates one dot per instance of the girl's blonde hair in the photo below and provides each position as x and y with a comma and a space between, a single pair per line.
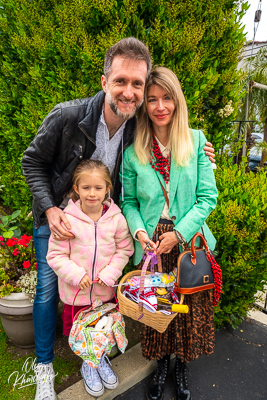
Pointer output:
180, 139
90, 166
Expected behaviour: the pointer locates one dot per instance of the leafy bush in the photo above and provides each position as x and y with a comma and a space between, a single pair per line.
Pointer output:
52, 51
239, 224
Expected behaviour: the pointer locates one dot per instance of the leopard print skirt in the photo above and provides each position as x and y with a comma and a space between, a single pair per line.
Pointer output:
188, 335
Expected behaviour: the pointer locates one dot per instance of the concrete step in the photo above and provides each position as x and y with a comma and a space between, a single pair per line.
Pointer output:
130, 368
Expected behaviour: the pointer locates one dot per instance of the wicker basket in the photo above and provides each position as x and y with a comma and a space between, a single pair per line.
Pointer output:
157, 320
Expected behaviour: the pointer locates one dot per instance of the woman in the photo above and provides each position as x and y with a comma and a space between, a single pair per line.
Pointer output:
167, 153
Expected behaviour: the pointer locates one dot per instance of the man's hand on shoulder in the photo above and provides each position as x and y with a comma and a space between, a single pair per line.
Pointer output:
209, 151
55, 215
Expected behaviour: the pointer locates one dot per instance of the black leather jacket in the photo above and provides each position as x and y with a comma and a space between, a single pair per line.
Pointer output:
66, 137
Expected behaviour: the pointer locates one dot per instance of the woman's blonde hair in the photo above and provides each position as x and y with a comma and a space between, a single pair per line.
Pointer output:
90, 166
180, 139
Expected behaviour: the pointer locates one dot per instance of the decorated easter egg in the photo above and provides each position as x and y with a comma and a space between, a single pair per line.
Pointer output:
134, 281
156, 280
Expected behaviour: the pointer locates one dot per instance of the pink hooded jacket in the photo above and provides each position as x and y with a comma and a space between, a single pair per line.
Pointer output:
101, 249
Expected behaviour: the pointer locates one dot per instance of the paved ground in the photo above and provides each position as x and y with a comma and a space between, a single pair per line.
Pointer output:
236, 371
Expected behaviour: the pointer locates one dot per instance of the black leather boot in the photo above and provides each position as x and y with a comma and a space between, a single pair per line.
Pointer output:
155, 389
180, 371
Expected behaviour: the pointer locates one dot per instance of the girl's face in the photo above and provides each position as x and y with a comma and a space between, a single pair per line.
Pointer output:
160, 106
92, 190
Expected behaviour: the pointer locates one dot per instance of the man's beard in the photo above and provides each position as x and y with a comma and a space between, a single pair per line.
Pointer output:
117, 111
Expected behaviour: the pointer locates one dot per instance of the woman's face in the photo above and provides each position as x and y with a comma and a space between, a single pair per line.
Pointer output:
160, 106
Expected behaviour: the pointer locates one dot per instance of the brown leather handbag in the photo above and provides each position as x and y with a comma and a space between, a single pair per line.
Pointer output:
197, 270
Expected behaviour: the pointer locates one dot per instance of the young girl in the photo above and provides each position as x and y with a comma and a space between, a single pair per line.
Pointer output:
99, 251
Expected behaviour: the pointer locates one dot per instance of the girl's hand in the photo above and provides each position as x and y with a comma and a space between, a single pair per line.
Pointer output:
146, 243
101, 282
168, 241
85, 282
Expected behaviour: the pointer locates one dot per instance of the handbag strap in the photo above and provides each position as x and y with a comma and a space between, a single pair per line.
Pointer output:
164, 192
203, 233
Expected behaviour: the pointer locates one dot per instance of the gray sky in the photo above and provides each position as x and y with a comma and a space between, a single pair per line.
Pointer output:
248, 21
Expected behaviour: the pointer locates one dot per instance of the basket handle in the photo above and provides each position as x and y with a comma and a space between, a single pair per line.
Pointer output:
202, 243
155, 259
72, 309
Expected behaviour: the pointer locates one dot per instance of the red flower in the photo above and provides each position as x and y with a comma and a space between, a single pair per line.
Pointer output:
23, 243
35, 266
26, 238
26, 264
15, 252
2, 240
12, 242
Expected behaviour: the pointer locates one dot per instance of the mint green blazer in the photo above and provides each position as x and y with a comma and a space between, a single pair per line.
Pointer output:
192, 196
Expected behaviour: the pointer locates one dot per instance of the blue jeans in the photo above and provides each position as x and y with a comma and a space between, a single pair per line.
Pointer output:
46, 299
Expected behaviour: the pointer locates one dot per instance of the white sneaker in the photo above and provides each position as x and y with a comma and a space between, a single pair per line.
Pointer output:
92, 381
109, 378
45, 379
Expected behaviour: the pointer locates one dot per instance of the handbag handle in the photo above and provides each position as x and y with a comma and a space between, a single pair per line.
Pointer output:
202, 243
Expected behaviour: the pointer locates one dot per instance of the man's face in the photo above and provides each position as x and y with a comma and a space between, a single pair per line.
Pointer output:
125, 86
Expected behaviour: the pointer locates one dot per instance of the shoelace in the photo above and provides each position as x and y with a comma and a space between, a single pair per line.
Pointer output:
161, 372
104, 365
91, 373
182, 373
44, 376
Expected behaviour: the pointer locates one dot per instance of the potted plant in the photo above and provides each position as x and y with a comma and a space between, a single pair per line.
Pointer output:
18, 278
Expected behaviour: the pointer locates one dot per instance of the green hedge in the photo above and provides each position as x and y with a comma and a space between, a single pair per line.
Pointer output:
239, 224
52, 51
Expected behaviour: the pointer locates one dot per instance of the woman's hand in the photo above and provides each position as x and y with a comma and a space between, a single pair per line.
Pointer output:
168, 241
146, 243
101, 282
85, 282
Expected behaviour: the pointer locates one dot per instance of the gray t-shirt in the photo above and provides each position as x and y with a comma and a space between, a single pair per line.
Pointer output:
107, 149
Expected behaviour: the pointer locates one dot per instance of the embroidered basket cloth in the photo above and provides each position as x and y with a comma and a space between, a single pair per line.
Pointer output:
89, 343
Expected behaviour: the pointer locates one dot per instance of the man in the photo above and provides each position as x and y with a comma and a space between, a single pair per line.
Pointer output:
100, 128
